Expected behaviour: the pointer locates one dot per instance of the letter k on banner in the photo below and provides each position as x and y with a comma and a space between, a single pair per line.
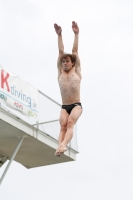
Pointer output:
4, 80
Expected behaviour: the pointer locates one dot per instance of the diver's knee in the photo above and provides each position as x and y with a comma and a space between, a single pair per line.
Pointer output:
63, 126
70, 123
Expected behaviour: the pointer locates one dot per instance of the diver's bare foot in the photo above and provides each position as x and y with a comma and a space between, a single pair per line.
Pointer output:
62, 148
57, 153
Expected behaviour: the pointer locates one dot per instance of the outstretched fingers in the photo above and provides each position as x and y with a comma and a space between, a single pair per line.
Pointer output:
75, 27
58, 29
74, 24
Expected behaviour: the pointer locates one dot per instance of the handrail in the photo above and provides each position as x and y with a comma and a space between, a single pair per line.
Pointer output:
46, 122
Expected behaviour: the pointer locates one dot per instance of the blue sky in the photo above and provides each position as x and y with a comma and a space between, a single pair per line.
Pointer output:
28, 47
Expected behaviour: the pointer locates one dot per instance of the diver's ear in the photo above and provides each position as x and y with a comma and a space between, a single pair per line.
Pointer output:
73, 63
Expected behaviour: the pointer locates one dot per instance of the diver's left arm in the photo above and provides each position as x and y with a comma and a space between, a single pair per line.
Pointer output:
75, 29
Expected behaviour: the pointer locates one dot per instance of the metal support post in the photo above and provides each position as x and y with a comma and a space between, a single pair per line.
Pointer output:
13, 156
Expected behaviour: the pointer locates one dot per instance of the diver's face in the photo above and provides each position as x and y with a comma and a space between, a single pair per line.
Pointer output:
67, 64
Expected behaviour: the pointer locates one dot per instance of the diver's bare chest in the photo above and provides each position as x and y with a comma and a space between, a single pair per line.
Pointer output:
68, 78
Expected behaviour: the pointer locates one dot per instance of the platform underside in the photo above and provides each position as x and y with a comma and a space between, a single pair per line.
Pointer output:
34, 152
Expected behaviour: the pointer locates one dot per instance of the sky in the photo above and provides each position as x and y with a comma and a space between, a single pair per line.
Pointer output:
28, 47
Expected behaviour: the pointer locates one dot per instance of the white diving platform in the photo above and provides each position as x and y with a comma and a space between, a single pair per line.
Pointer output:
37, 149
32, 144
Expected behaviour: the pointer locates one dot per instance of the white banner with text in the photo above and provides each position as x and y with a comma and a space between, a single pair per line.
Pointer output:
18, 94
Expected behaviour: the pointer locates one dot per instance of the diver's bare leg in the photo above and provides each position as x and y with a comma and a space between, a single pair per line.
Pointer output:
63, 128
72, 119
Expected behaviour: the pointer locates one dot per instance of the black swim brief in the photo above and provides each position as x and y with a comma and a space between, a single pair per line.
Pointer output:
69, 108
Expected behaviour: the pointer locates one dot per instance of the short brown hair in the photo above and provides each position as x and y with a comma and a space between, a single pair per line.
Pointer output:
71, 56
